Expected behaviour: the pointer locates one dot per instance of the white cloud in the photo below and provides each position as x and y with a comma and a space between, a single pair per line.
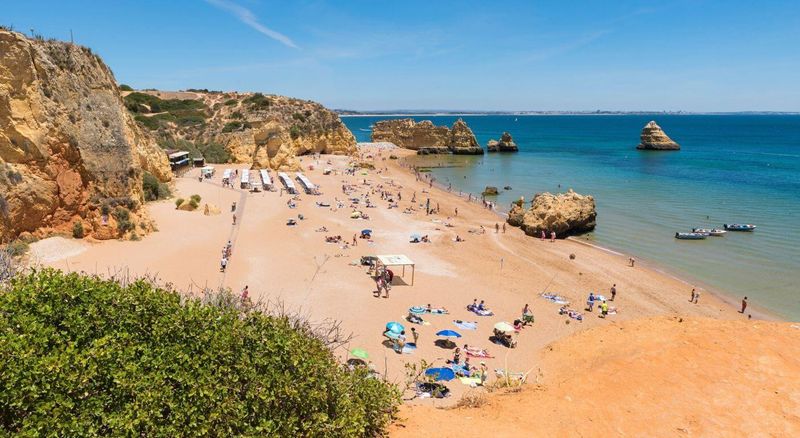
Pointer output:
247, 17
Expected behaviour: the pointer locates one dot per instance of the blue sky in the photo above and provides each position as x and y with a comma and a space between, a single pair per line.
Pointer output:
500, 55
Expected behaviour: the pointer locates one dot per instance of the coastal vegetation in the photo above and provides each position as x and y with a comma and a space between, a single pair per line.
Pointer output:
97, 357
154, 112
153, 188
213, 152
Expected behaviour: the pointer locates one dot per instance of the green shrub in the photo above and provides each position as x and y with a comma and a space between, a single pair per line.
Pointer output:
123, 217
299, 116
125, 87
86, 357
294, 132
231, 102
178, 202
258, 101
153, 188
194, 204
77, 230
18, 248
195, 198
237, 115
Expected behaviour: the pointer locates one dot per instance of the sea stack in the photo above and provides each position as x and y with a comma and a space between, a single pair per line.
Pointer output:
463, 141
567, 214
654, 139
506, 144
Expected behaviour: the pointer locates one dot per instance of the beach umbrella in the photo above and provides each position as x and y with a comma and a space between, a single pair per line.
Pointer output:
391, 335
359, 353
445, 374
504, 327
395, 327
448, 334
416, 237
416, 309
366, 231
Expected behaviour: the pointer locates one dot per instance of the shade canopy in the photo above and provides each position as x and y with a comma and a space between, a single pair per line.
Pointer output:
504, 327
395, 327
445, 374
448, 334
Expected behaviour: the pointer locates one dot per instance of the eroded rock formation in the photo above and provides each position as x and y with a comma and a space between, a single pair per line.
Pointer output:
506, 144
69, 150
653, 138
427, 138
565, 213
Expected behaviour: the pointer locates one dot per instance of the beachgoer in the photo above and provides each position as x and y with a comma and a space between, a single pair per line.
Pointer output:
401, 342
613, 291
415, 335
234, 218
603, 309
696, 297
496, 228
552, 236
484, 373
474, 306
457, 355
504, 227
631, 261
245, 294
456, 211
744, 305
355, 241
691, 299
544, 236
482, 306
527, 315
590, 302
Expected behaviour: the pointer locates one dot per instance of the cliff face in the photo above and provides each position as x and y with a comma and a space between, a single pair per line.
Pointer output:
654, 138
67, 143
427, 138
268, 131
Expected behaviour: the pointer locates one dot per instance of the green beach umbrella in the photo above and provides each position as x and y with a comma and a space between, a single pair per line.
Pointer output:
359, 353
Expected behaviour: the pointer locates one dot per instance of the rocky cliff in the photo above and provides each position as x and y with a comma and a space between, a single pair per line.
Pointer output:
269, 131
427, 138
654, 138
565, 213
69, 150
506, 144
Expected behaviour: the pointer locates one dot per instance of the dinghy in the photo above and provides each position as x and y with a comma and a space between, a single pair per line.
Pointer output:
690, 236
703, 231
717, 232
739, 227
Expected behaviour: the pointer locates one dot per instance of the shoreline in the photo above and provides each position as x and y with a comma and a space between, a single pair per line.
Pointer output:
758, 312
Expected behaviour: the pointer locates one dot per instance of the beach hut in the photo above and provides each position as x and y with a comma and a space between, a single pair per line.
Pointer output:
245, 179
287, 182
308, 186
397, 260
266, 180
177, 159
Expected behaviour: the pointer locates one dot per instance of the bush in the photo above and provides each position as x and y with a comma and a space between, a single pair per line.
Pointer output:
294, 132
77, 230
235, 126
17, 248
299, 116
153, 188
194, 204
231, 102
178, 202
92, 357
195, 198
125, 87
258, 101
123, 217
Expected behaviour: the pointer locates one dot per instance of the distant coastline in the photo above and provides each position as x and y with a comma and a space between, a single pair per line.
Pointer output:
433, 113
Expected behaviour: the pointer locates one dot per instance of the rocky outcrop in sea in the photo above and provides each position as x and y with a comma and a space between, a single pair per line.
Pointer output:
505, 144
653, 138
427, 138
69, 150
565, 213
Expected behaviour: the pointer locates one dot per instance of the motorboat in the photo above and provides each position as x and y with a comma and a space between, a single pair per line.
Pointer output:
690, 236
717, 232
739, 227
703, 231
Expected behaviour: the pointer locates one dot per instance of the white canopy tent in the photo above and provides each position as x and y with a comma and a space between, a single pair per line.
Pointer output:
266, 180
245, 179
398, 260
287, 182
309, 187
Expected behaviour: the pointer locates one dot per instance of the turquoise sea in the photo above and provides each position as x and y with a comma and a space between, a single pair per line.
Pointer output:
731, 169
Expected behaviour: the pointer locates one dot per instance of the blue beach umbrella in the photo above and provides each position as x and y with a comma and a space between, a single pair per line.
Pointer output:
448, 334
395, 327
438, 374
416, 237
417, 309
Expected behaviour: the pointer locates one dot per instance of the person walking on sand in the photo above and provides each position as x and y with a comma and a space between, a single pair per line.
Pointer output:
590, 302
631, 262
234, 218
696, 296
496, 228
414, 335
613, 291
484, 373
544, 236
504, 228
552, 236
245, 294
744, 305
355, 240
456, 211
603, 309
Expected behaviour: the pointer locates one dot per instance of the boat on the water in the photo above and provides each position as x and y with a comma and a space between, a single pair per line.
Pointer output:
703, 231
690, 236
739, 227
717, 232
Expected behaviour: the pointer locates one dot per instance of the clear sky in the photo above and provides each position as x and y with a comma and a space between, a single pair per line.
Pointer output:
730, 55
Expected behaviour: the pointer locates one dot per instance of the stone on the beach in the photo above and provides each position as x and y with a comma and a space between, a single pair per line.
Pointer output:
565, 213
463, 141
506, 144
490, 191
654, 138
423, 136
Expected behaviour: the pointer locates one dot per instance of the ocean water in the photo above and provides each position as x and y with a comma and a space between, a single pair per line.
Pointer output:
731, 169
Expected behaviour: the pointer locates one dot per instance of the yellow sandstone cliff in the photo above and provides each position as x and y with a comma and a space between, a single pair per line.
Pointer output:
69, 150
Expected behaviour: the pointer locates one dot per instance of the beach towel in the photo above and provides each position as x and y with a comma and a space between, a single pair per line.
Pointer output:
555, 298
438, 312
470, 381
479, 353
480, 312
460, 369
466, 325
571, 313
499, 372
409, 348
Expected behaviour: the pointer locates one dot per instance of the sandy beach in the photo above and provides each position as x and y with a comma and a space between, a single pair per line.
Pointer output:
296, 266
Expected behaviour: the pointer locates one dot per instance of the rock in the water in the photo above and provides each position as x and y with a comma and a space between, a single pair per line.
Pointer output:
463, 141
490, 191
566, 213
654, 138
506, 144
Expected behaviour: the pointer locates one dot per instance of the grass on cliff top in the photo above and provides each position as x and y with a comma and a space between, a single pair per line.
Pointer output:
183, 112
87, 357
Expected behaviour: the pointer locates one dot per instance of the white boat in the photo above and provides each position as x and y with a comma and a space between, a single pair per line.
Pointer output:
703, 231
739, 227
717, 232
690, 236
